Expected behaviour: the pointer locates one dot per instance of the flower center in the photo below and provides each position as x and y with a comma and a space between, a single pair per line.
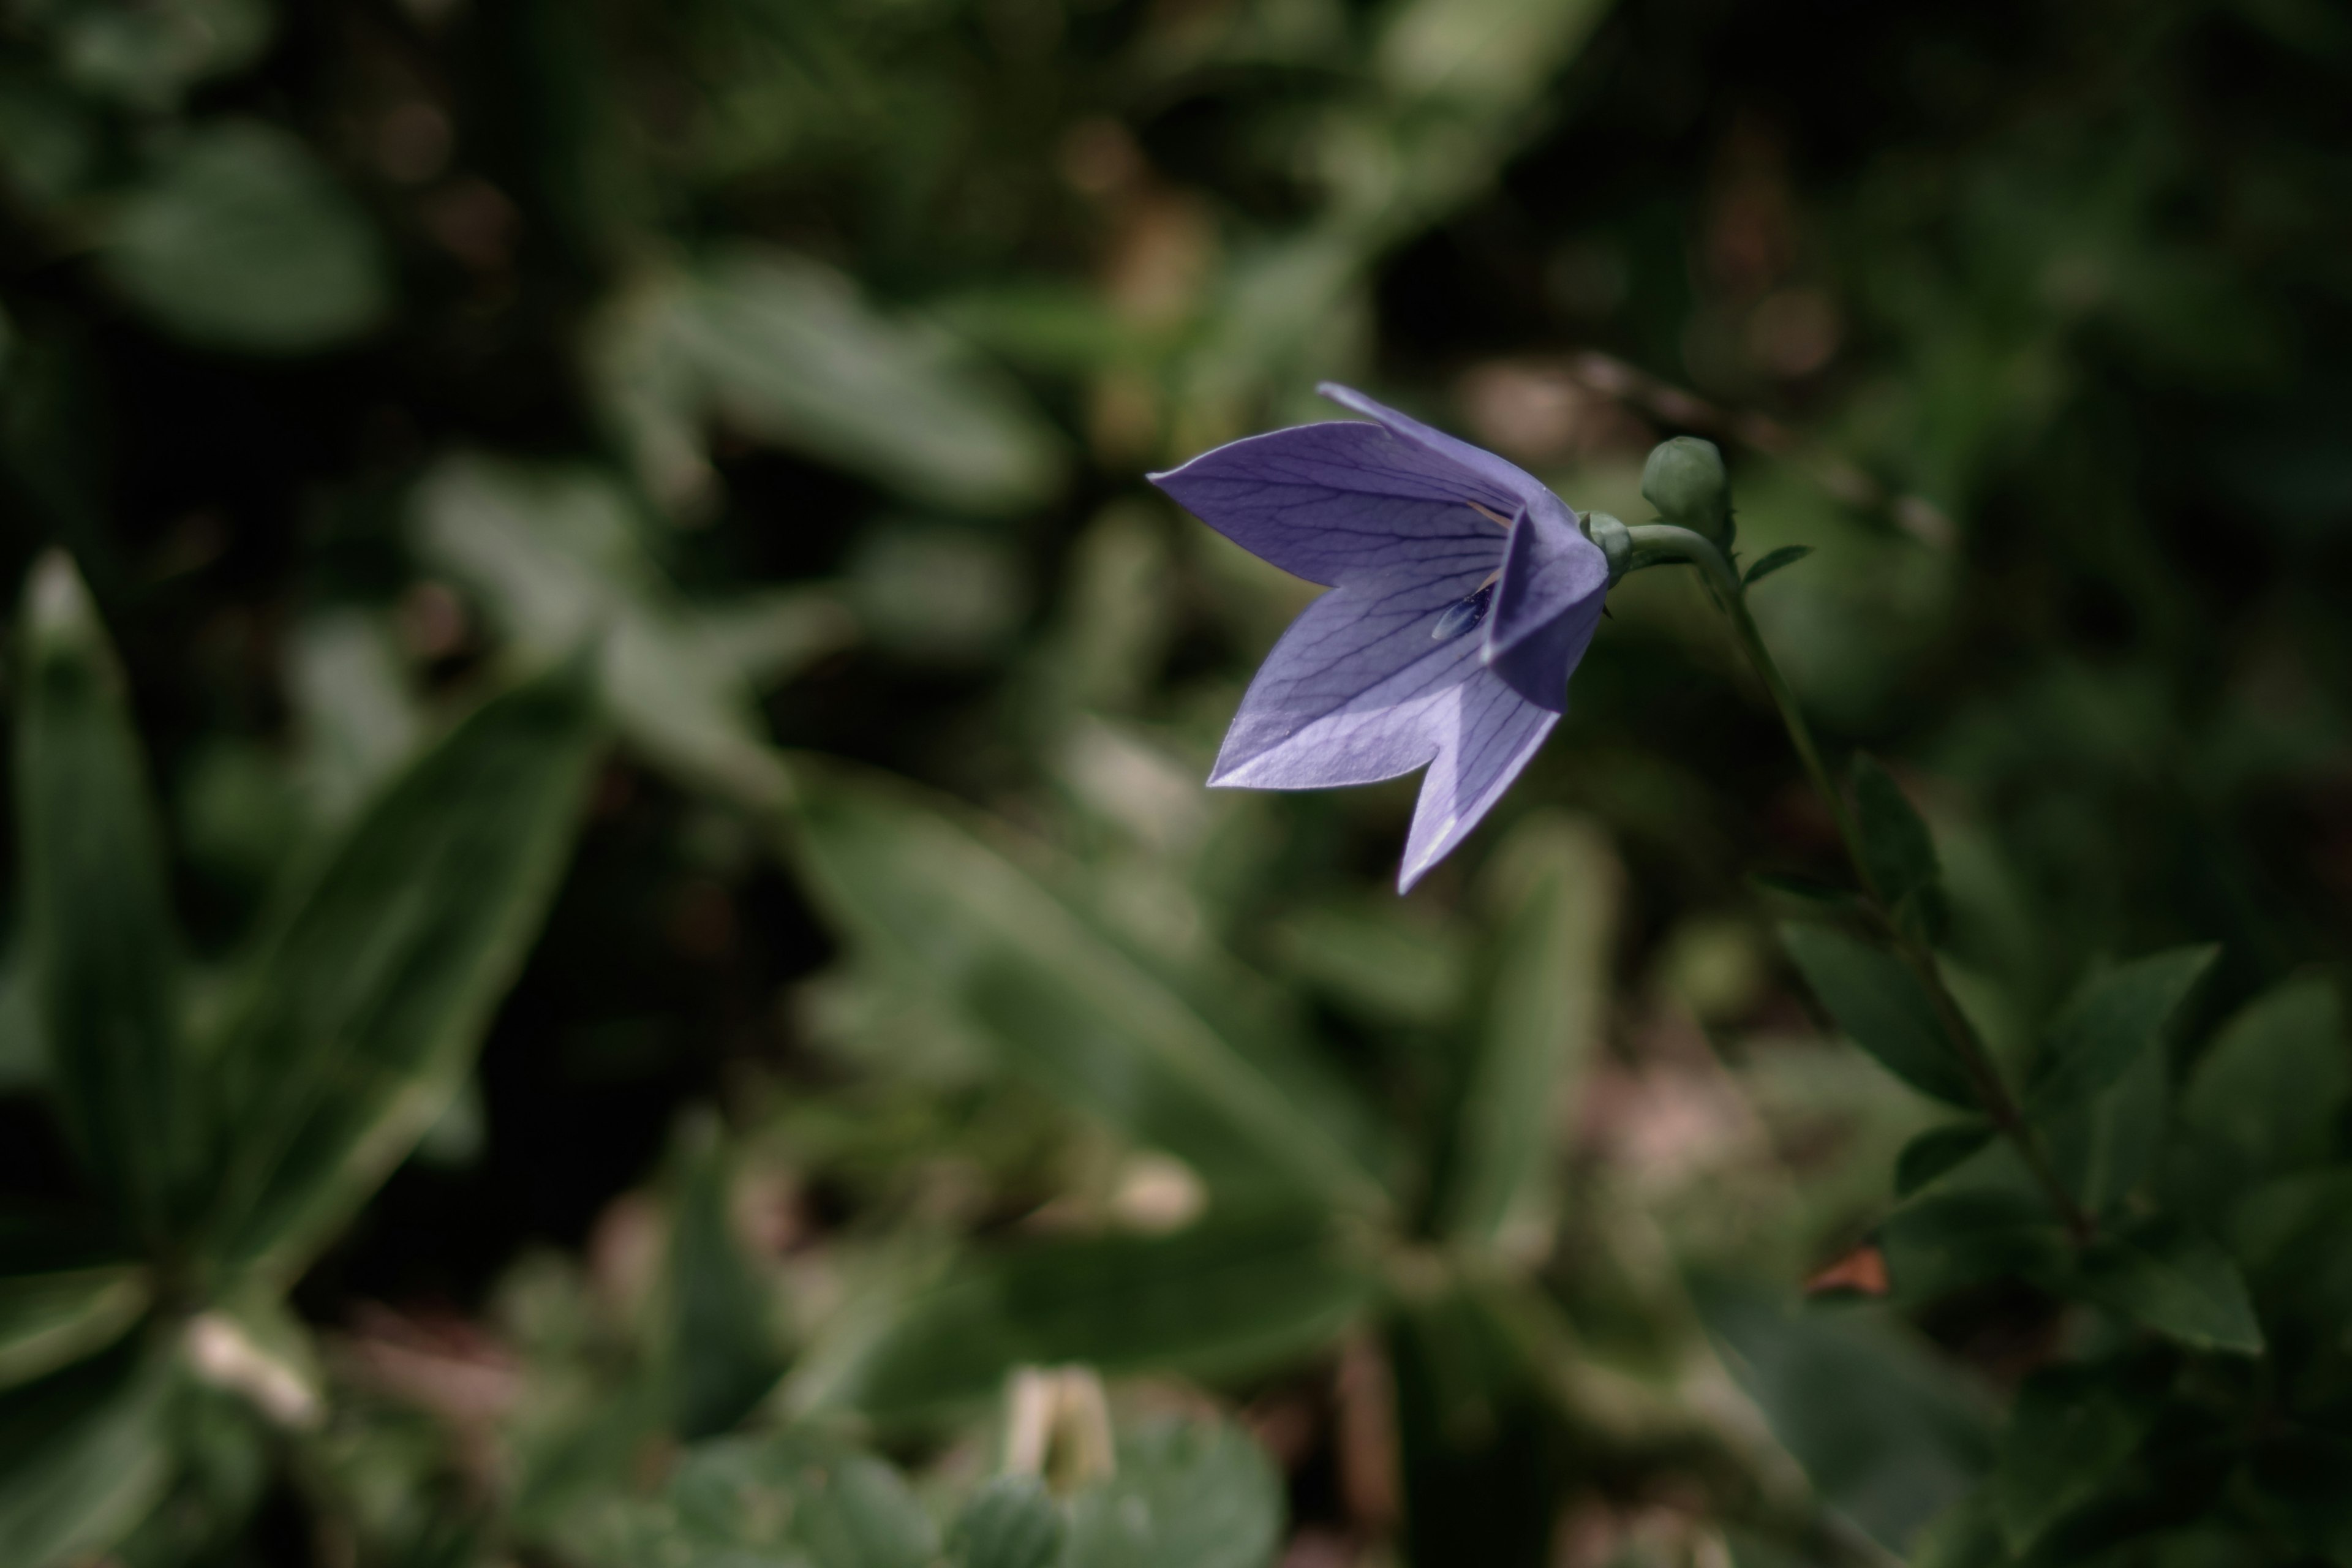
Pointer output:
1466, 615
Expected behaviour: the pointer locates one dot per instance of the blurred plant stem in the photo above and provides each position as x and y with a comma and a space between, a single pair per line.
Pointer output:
1662, 544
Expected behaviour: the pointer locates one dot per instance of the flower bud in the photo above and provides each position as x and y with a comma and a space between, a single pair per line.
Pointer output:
1615, 543
1685, 480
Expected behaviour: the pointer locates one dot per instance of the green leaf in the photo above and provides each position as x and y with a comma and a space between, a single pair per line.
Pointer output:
1546, 1003
239, 238
82, 1456
844, 1510
147, 56
1887, 1434
1787, 555
103, 951
2270, 1093
950, 916
51, 1318
785, 350
1965, 1535
1883, 1006
1937, 1150
2110, 1023
1012, 1522
1948, 1240
1223, 1298
1194, 1494
2173, 1281
1899, 850
360, 1020
722, 1355
2070, 1430
2103, 1146
1476, 1428
558, 556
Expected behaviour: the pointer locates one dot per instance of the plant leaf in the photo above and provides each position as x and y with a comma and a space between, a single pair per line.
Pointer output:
1899, 850
2274, 1087
2070, 1430
1937, 1150
360, 1020
1225, 1297
103, 960
51, 1318
1787, 555
1194, 1494
82, 1456
2174, 1281
1883, 1007
1012, 1522
2110, 1022
722, 1356
1058, 1000
1545, 1003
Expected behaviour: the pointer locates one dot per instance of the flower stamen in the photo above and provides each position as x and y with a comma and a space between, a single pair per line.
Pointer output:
1490, 514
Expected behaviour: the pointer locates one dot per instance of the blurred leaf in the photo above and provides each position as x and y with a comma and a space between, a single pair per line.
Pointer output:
1899, 850
48, 139
147, 53
1546, 1003
2070, 1429
722, 1355
1378, 961
2295, 1480
784, 349
48, 1319
1196, 1494
1888, 1437
241, 239
786, 1498
1787, 555
82, 1456
1882, 1006
2103, 1146
1965, 1535
1060, 1002
2174, 1281
1494, 54
2110, 1023
104, 968
1223, 1298
556, 555
1478, 1440
360, 1020
356, 716
1937, 1150
1946, 1241
1012, 1522
2272, 1091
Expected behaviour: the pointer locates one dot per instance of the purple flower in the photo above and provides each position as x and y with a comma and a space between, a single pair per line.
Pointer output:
1462, 594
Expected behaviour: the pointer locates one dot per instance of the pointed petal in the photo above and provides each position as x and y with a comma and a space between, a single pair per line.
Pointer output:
1486, 735
1346, 696
1523, 488
1546, 604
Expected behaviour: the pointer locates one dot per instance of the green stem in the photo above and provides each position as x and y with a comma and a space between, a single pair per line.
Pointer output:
1662, 543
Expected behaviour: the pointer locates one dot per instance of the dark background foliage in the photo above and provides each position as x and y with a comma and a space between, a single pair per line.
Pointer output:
801, 359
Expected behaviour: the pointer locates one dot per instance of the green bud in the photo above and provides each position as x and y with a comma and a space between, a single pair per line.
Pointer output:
1685, 480
1615, 543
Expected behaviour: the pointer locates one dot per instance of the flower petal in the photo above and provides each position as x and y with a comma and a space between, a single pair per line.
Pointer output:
1342, 699
1486, 732
1326, 501
1546, 604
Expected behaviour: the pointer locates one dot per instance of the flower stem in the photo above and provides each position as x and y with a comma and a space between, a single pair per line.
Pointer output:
1661, 543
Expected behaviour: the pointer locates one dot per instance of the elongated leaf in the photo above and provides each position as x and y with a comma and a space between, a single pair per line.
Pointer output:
51, 1318
1937, 1150
2070, 1430
1888, 1437
1223, 1298
556, 555
1883, 1006
361, 1017
2110, 1023
2270, 1093
786, 350
103, 962
2176, 1282
82, 1456
2103, 1146
1899, 850
242, 239
1787, 555
1057, 999
1546, 1004
723, 1353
